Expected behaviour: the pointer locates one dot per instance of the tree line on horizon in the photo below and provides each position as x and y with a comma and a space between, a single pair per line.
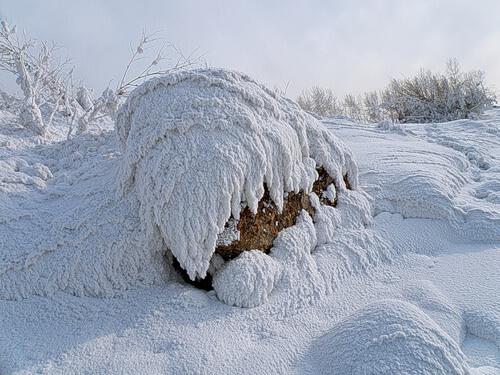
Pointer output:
426, 97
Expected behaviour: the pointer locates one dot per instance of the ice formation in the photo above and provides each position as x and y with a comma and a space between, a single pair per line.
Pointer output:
248, 280
199, 145
388, 337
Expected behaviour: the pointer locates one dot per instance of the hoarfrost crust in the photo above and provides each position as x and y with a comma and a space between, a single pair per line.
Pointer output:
198, 144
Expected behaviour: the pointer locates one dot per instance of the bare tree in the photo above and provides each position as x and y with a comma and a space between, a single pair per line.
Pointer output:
352, 107
371, 107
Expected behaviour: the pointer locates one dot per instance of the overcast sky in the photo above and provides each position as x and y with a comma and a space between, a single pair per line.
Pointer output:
348, 46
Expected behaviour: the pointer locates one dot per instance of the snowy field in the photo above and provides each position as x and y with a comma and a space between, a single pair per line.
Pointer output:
415, 290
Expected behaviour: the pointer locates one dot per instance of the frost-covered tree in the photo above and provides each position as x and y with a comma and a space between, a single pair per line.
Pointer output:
352, 107
372, 108
319, 101
41, 79
45, 82
429, 96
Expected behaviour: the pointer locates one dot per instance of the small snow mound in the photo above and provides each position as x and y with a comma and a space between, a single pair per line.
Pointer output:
18, 174
247, 280
292, 249
200, 145
388, 337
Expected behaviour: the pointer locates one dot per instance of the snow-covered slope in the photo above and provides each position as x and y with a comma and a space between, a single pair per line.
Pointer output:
420, 275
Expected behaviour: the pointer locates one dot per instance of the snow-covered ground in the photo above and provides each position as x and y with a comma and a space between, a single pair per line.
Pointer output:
416, 291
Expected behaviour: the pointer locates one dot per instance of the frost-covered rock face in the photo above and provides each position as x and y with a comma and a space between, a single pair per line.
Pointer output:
259, 231
388, 337
200, 145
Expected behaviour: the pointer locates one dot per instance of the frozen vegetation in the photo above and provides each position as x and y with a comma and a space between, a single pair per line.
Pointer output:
401, 276
425, 97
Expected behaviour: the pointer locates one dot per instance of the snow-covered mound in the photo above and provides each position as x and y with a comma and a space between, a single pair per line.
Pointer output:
248, 280
200, 145
388, 337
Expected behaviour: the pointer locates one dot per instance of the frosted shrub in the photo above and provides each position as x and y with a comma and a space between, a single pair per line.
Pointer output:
319, 101
108, 103
41, 79
430, 97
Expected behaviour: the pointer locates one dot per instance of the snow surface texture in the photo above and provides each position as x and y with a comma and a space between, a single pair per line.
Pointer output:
153, 327
247, 280
63, 229
388, 337
200, 145
439, 171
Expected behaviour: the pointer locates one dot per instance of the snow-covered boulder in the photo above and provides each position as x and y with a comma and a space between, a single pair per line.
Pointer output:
199, 146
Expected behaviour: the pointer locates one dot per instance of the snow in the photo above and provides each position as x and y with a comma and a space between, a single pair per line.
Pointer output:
437, 171
387, 337
409, 258
248, 280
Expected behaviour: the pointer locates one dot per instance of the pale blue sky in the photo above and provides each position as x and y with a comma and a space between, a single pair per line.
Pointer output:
348, 46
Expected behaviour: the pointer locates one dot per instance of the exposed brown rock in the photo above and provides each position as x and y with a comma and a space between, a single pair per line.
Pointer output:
259, 231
